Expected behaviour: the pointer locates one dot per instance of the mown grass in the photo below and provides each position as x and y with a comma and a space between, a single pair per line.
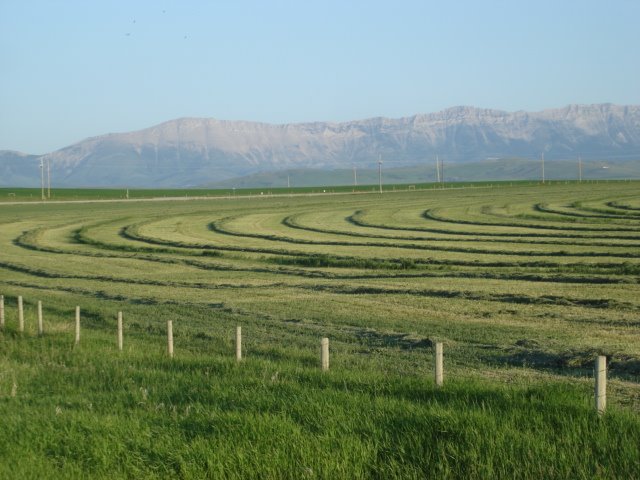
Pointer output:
332, 261
520, 336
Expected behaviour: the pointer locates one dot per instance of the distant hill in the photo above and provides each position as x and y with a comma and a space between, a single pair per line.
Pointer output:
196, 151
19, 169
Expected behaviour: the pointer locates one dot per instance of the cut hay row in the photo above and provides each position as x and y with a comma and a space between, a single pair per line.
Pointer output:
304, 222
363, 218
442, 215
592, 214
226, 227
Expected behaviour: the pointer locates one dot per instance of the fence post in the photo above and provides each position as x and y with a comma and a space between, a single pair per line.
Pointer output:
170, 338
238, 343
77, 325
601, 383
324, 354
20, 314
120, 331
439, 366
2, 312
40, 325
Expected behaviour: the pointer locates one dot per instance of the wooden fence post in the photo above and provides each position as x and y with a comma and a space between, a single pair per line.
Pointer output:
439, 367
324, 354
120, 339
77, 325
170, 338
40, 325
2, 312
238, 343
601, 383
20, 314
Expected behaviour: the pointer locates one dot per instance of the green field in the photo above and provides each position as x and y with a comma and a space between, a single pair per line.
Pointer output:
524, 284
11, 195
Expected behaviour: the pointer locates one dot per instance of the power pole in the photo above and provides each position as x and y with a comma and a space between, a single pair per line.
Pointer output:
437, 169
442, 172
288, 184
42, 178
542, 157
355, 177
579, 169
380, 172
48, 177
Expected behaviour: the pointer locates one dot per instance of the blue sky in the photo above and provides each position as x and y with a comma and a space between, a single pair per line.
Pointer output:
74, 69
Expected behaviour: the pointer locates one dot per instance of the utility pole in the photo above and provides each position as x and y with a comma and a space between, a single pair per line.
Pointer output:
42, 178
579, 169
288, 183
437, 169
442, 172
355, 177
380, 172
542, 157
48, 177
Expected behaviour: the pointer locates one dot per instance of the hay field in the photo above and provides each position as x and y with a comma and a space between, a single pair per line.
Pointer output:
524, 285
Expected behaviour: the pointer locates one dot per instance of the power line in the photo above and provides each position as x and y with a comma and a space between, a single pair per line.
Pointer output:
380, 172
48, 177
42, 178
579, 169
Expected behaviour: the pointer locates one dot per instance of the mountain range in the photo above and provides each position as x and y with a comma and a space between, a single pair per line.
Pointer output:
199, 151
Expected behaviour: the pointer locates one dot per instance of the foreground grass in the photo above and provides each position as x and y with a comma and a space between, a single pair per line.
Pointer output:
91, 411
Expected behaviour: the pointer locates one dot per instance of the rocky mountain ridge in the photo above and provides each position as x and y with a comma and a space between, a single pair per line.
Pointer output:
194, 151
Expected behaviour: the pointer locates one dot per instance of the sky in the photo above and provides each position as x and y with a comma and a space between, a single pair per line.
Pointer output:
74, 69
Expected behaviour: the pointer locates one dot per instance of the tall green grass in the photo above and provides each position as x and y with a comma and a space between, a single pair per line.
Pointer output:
91, 411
